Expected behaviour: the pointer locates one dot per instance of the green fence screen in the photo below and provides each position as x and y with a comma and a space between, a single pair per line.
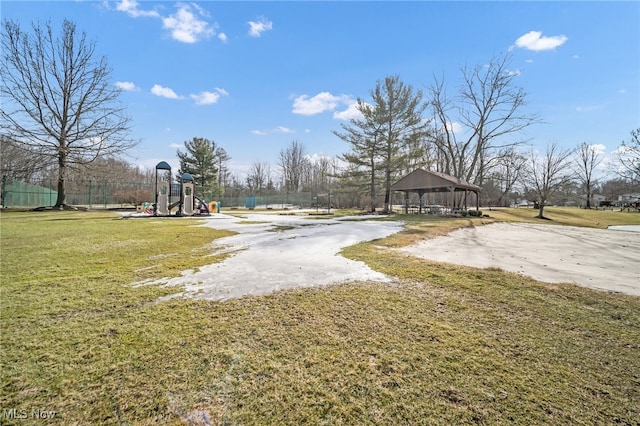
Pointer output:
22, 194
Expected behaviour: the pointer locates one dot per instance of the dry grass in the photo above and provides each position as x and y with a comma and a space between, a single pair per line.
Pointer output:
442, 345
568, 216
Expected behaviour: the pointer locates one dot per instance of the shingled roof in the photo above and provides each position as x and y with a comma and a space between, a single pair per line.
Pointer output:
422, 181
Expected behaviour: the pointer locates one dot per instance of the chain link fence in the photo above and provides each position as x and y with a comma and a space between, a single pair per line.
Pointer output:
120, 194
92, 194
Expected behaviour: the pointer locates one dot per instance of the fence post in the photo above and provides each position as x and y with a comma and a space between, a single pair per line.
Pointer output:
89, 193
2, 189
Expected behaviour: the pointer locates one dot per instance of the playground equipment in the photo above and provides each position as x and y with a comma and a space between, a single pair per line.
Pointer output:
163, 189
187, 194
188, 204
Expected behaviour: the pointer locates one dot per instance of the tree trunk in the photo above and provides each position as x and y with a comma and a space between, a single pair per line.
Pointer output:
62, 172
540, 211
387, 192
372, 191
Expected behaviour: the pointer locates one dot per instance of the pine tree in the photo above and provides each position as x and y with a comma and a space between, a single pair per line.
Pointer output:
203, 160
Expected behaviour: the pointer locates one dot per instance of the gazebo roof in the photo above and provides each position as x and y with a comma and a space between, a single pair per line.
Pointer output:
426, 181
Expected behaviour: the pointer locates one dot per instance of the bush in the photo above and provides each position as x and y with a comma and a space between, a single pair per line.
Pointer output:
475, 213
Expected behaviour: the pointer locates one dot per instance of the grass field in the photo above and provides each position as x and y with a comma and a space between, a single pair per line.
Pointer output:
442, 345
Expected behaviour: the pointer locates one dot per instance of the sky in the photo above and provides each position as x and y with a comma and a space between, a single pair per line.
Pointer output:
255, 76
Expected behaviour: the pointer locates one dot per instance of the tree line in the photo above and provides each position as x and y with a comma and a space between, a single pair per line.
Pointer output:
61, 116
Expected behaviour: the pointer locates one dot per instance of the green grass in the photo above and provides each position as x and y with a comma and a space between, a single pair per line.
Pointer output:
442, 345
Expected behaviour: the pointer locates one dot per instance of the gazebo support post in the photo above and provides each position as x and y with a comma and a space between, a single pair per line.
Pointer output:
453, 199
406, 202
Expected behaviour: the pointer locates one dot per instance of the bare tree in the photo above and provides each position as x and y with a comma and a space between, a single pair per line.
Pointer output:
614, 188
17, 162
488, 113
586, 162
58, 99
547, 174
258, 177
628, 157
321, 170
293, 162
508, 171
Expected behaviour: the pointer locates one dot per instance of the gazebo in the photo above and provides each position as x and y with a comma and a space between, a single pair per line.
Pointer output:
423, 181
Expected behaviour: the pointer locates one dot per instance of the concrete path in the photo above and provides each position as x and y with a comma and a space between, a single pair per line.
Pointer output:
598, 258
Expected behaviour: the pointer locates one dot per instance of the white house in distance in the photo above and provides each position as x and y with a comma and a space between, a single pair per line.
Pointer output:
628, 199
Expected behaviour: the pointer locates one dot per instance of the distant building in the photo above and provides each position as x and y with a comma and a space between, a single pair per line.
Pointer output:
627, 199
596, 199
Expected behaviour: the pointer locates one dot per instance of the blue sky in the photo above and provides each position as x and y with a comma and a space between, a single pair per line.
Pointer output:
254, 76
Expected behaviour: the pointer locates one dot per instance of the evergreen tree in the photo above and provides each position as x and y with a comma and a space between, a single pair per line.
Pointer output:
203, 160
400, 110
363, 134
383, 141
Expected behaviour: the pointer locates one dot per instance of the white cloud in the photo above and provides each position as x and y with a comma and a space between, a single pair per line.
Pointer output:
186, 26
282, 129
176, 145
256, 28
351, 113
598, 148
277, 129
208, 98
575, 57
589, 108
453, 127
315, 157
533, 40
126, 86
164, 92
512, 73
130, 7
323, 101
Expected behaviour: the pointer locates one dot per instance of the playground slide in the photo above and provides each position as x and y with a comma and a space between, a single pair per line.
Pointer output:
202, 207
